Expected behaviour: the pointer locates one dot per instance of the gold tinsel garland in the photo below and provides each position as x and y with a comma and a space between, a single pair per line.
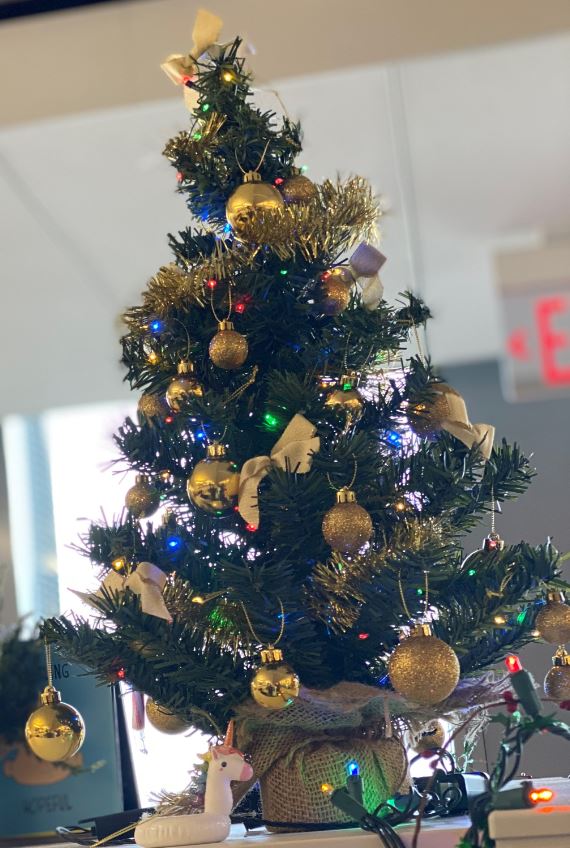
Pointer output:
196, 144
341, 215
334, 594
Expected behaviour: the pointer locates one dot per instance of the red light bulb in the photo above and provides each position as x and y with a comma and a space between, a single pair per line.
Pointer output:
251, 527
121, 673
211, 283
279, 181
240, 307
169, 419
363, 636
541, 795
513, 664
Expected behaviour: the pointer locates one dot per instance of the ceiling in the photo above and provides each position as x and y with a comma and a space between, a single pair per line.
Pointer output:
470, 149
106, 54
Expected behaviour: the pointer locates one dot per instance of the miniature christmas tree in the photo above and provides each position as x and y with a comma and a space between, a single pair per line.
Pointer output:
314, 483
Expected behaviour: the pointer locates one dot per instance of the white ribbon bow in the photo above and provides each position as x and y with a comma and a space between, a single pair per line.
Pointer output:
179, 68
457, 422
364, 264
147, 581
292, 452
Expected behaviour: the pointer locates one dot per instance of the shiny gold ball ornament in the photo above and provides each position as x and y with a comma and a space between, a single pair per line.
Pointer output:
423, 668
345, 397
553, 620
252, 199
557, 681
347, 526
335, 290
153, 405
183, 387
228, 348
214, 483
432, 736
55, 731
298, 189
142, 499
164, 720
274, 685
427, 417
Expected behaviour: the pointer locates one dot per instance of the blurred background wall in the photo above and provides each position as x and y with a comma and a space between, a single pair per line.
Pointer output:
459, 114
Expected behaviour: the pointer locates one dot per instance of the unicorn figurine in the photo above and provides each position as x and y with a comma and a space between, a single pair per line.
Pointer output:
225, 763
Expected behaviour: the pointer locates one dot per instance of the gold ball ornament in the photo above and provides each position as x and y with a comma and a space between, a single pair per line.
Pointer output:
335, 290
553, 620
250, 200
557, 681
164, 720
298, 189
183, 387
433, 736
274, 685
347, 526
345, 397
55, 731
214, 483
142, 499
426, 418
423, 668
228, 348
153, 405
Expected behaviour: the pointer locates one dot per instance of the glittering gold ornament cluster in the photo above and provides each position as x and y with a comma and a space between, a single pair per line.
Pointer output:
347, 526
274, 685
423, 668
55, 731
553, 620
142, 499
164, 720
335, 290
183, 387
250, 200
228, 349
298, 189
557, 681
153, 405
214, 483
432, 736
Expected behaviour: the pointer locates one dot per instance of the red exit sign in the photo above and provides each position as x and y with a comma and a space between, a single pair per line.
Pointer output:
535, 293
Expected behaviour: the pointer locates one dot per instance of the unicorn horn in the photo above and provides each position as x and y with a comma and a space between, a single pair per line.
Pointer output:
230, 732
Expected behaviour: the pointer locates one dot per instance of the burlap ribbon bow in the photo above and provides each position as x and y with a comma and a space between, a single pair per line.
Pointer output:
456, 421
181, 69
364, 264
146, 580
292, 452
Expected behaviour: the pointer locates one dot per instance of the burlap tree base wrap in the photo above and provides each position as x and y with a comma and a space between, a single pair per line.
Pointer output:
295, 750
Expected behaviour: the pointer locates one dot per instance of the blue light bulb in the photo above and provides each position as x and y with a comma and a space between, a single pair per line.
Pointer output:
200, 434
393, 438
227, 229
174, 543
353, 769
155, 326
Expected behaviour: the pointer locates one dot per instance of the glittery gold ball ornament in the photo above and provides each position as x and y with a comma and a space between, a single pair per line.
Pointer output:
214, 483
557, 681
335, 290
274, 685
163, 720
347, 526
427, 416
183, 387
228, 348
55, 731
345, 397
423, 668
153, 405
298, 189
142, 499
251, 199
432, 736
553, 620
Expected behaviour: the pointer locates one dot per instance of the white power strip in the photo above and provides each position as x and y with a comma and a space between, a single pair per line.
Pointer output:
540, 827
